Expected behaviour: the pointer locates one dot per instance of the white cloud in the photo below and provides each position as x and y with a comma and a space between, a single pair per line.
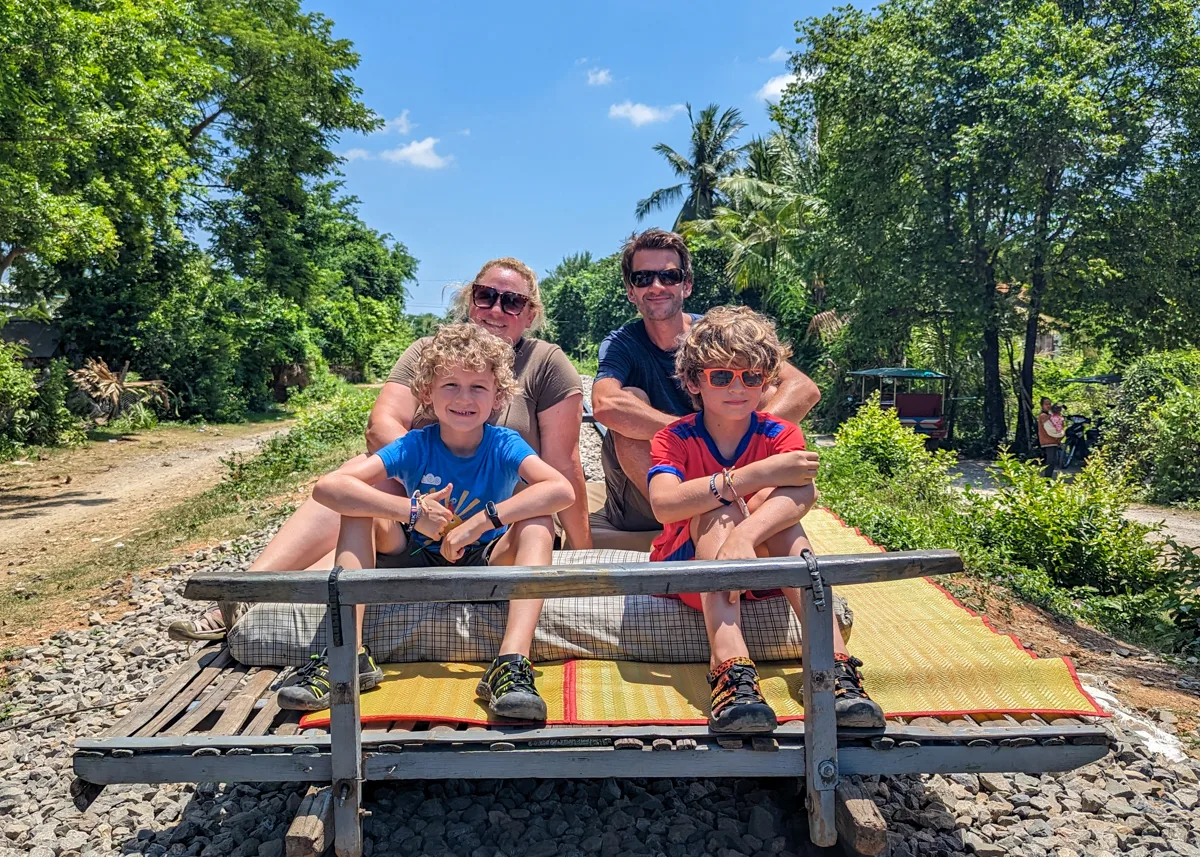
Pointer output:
643, 114
356, 155
773, 89
777, 55
466, 132
402, 125
418, 153
581, 61
599, 77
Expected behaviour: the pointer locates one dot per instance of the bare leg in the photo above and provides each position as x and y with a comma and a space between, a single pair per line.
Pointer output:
722, 618
529, 542
356, 550
791, 542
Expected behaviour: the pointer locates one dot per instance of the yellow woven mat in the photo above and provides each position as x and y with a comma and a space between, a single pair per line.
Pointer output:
924, 654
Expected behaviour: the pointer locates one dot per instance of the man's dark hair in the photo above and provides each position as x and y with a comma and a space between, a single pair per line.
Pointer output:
655, 239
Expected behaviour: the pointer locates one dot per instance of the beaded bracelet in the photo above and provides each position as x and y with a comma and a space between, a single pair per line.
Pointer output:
712, 486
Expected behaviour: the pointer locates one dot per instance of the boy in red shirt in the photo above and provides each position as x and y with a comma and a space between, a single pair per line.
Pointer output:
728, 483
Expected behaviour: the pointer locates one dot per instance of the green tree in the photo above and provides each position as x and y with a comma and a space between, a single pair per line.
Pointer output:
712, 154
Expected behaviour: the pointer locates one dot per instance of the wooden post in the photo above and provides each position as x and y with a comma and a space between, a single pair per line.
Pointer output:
820, 726
860, 825
311, 831
345, 733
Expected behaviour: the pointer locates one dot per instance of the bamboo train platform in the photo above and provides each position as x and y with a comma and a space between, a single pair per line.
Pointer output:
215, 720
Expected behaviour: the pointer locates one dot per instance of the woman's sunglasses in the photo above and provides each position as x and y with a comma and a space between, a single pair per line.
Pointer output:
645, 279
751, 378
511, 303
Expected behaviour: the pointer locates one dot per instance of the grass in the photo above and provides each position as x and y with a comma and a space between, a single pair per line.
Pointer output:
257, 489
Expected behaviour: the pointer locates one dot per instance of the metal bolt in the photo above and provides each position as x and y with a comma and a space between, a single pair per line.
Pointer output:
827, 770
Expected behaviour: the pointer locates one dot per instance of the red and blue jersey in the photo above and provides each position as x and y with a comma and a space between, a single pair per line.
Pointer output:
686, 450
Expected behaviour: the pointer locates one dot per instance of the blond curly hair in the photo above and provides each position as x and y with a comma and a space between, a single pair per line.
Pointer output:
460, 303
471, 347
729, 336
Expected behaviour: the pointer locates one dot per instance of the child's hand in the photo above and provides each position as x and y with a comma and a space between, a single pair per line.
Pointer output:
794, 468
455, 542
435, 517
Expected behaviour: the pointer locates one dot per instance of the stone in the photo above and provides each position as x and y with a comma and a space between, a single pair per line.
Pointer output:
994, 784
981, 846
761, 824
1120, 808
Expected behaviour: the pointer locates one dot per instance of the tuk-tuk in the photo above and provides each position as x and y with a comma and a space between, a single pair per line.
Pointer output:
918, 395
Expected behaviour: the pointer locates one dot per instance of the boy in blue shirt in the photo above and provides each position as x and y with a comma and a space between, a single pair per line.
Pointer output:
460, 474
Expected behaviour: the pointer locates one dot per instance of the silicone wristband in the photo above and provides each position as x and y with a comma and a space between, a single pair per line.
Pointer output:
414, 514
712, 486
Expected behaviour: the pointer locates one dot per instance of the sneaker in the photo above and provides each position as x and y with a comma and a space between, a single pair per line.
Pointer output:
309, 688
852, 708
737, 703
212, 626
508, 689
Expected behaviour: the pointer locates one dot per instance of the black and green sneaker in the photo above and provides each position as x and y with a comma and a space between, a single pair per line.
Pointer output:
853, 710
508, 688
310, 686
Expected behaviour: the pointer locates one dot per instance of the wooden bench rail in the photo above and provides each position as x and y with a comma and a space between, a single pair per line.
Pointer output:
505, 583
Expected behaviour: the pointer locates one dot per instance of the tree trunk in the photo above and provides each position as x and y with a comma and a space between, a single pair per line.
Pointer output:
995, 426
6, 260
1024, 441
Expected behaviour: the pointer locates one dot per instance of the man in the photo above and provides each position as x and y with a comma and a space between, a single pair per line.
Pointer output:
635, 393
1049, 439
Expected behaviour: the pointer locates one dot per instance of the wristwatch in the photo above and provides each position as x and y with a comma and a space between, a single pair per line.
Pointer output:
493, 516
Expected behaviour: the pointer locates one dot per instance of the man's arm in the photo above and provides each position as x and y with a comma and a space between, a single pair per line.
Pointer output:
391, 417
558, 426
795, 397
623, 412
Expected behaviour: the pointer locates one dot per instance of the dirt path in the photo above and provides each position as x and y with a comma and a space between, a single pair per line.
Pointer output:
100, 493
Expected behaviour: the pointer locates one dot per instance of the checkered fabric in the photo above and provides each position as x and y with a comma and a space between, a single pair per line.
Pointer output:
630, 628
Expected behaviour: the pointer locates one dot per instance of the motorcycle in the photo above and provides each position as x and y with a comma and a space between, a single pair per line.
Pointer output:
1079, 440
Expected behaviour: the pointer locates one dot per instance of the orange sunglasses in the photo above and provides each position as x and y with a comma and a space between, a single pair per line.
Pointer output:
751, 378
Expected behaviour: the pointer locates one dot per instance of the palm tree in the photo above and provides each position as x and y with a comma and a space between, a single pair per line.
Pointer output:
713, 156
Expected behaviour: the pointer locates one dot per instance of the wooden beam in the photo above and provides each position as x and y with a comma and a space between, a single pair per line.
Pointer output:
820, 726
860, 825
345, 733
185, 697
311, 831
142, 714
505, 583
243, 703
208, 704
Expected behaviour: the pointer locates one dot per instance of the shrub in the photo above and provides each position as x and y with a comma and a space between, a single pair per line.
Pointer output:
33, 409
1072, 530
384, 355
1174, 448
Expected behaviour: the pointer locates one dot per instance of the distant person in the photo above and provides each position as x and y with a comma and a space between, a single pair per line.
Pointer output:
459, 474
729, 483
1056, 418
636, 393
1049, 439
546, 410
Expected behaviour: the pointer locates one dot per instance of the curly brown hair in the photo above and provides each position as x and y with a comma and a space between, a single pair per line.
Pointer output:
471, 347
729, 336
460, 303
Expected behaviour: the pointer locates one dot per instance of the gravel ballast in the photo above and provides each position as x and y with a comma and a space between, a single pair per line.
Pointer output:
1133, 802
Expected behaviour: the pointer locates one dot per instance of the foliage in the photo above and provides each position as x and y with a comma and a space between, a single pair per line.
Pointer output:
33, 409
1013, 131
386, 352
1059, 543
330, 424
712, 155
1131, 432
136, 417
112, 393
1175, 448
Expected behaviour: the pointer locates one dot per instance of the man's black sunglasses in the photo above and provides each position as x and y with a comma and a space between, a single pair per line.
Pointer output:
645, 279
511, 303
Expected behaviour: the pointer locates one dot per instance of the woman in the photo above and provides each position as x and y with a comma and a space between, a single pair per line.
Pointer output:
546, 411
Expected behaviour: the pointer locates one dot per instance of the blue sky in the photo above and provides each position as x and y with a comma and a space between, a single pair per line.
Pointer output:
526, 129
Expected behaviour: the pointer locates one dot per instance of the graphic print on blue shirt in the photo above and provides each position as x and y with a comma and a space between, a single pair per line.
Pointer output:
421, 461
629, 355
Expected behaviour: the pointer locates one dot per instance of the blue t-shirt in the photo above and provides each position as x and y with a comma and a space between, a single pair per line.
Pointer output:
629, 355
421, 461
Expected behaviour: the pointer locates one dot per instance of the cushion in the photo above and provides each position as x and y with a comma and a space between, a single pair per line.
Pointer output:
630, 628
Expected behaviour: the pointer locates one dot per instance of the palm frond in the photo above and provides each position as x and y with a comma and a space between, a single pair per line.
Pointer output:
826, 324
661, 198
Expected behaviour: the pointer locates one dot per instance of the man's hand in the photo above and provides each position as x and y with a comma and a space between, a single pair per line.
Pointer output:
736, 547
435, 517
455, 542
795, 468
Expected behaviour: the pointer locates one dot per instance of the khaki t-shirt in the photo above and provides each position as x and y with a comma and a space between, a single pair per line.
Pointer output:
544, 378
